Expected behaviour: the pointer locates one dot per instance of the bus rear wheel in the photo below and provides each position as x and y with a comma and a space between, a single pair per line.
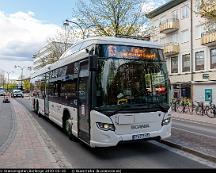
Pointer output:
37, 111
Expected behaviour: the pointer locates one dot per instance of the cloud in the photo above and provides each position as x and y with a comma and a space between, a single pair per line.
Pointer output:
22, 35
8, 65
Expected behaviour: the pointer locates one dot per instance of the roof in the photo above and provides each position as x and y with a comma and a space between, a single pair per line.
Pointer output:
163, 8
121, 40
96, 40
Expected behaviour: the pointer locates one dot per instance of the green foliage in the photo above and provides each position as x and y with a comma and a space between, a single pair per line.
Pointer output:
111, 17
26, 85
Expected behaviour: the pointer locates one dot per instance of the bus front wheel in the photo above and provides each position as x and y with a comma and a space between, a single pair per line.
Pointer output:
67, 127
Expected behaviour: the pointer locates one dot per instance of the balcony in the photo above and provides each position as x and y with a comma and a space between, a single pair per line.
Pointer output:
171, 49
209, 38
169, 26
208, 10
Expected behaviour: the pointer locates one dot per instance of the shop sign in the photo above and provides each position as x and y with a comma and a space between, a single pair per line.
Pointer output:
208, 94
205, 76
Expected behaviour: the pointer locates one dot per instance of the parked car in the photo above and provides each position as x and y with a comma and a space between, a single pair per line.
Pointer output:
17, 93
2, 92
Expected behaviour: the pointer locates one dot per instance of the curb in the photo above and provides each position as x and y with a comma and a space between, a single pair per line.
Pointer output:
189, 150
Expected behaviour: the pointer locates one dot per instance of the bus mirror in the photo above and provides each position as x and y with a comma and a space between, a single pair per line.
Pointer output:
90, 50
93, 63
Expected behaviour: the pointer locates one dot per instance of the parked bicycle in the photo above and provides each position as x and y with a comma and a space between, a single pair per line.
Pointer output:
211, 112
185, 106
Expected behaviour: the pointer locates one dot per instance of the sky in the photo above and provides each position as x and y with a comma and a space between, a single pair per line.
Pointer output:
25, 26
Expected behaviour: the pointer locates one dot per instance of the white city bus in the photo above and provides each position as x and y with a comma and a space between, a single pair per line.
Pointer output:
106, 90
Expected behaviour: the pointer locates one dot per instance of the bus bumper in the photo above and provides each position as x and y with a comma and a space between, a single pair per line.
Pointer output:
110, 138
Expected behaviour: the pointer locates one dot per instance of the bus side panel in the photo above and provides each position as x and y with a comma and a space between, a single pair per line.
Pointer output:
53, 112
56, 112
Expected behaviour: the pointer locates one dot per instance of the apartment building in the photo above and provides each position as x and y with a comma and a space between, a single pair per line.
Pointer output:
49, 53
189, 48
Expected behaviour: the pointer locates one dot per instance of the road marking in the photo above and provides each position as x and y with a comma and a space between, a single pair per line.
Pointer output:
194, 132
185, 154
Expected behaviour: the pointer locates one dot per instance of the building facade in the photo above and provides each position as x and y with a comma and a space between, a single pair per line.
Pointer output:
189, 48
49, 54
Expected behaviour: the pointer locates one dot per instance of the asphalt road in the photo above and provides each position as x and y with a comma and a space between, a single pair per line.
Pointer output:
201, 128
5, 121
131, 155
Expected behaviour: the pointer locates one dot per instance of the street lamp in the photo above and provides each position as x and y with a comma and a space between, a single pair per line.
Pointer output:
66, 23
22, 68
8, 77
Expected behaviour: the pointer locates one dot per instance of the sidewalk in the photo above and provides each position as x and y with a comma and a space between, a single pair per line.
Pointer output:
202, 146
28, 149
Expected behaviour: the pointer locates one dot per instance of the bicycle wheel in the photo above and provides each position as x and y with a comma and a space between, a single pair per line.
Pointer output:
180, 109
186, 109
210, 113
198, 110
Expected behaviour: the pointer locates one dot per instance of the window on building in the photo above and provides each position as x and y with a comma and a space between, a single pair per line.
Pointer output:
184, 12
199, 60
213, 58
186, 63
174, 64
175, 14
185, 36
199, 30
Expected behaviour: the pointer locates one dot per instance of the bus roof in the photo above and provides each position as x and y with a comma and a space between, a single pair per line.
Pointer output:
122, 41
97, 40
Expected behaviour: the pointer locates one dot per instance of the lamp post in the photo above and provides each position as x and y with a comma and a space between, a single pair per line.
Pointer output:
8, 78
22, 68
66, 23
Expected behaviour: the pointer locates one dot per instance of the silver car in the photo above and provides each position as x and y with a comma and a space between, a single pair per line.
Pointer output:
17, 93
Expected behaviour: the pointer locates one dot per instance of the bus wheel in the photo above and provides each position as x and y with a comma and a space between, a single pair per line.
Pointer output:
37, 109
68, 129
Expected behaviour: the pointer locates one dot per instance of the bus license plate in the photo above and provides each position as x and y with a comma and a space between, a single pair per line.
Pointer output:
141, 136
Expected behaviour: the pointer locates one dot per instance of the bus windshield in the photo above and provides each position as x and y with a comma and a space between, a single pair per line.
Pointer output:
132, 82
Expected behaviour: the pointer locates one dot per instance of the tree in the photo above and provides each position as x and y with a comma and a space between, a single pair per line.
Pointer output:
58, 44
26, 85
208, 11
111, 17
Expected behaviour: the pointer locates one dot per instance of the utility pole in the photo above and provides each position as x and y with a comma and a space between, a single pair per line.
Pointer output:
192, 61
22, 68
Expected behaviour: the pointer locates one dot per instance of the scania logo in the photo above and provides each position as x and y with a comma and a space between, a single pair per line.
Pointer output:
142, 126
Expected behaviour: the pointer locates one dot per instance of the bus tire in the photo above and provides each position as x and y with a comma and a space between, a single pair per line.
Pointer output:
37, 109
67, 126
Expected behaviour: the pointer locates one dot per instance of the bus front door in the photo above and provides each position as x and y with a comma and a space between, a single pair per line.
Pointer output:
83, 108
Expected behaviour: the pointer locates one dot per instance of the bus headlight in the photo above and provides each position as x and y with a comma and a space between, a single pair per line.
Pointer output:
105, 126
166, 121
